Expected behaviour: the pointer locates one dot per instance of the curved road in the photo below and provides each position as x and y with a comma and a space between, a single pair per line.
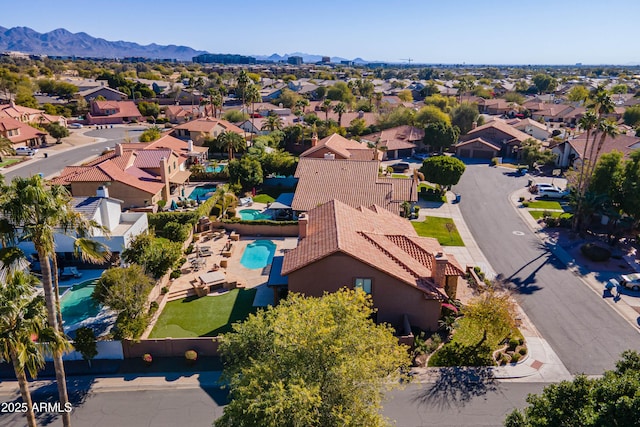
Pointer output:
584, 331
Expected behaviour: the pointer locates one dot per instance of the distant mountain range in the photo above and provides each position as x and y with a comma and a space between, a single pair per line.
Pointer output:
61, 42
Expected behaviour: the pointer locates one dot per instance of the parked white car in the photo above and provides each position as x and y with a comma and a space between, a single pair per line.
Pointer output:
552, 193
26, 151
75, 126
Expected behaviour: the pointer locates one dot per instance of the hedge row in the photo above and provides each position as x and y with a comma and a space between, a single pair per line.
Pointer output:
257, 222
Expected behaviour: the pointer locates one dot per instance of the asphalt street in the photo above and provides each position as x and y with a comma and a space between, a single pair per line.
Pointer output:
584, 331
58, 160
449, 402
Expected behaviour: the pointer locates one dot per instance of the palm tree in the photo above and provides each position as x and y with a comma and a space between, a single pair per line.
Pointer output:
302, 104
605, 128
36, 213
272, 123
326, 106
230, 141
241, 85
586, 122
253, 96
23, 315
340, 108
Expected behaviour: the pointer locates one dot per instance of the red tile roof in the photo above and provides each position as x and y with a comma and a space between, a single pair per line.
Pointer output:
25, 134
342, 147
123, 108
500, 126
397, 138
208, 124
623, 143
375, 237
354, 182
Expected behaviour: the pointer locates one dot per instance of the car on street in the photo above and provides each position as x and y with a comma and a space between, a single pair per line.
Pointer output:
552, 193
539, 186
631, 281
400, 167
75, 126
26, 151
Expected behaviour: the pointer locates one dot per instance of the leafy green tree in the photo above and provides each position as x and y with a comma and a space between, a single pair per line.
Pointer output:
288, 98
331, 369
444, 171
235, 116
175, 231
85, 343
632, 115
440, 135
532, 152
445, 104
397, 117
631, 187
608, 176
57, 131
463, 116
23, 315
247, 172
612, 400
544, 83
620, 89
405, 95
149, 109
156, 255
340, 92
150, 134
125, 290
431, 114
578, 93
514, 97
357, 126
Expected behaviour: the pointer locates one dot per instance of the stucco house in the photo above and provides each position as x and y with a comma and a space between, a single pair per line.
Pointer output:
113, 112
21, 134
396, 142
200, 129
105, 91
571, 151
353, 182
337, 146
377, 251
139, 174
495, 138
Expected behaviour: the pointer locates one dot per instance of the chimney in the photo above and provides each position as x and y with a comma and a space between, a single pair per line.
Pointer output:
190, 145
474, 125
439, 276
164, 175
102, 192
119, 151
303, 224
314, 139
360, 114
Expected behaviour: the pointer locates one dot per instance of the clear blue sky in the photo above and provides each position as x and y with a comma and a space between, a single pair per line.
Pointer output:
453, 31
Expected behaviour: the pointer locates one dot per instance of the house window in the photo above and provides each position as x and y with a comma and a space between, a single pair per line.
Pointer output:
364, 284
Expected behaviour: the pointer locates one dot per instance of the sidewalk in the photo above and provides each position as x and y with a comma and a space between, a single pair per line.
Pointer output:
541, 364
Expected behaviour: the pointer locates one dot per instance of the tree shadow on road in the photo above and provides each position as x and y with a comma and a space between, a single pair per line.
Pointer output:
527, 285
456, 386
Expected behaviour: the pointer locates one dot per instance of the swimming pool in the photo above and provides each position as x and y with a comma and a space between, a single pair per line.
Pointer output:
252, 215
77, 305
202, 192
216, 169
258, 254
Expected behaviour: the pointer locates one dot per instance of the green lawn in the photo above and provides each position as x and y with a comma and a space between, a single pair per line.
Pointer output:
545, 204
435, 227
263, 198
399, 175
8, 162
538, 214
204, 317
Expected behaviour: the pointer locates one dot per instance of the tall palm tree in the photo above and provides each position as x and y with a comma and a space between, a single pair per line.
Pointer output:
606, 128
253, 96
36, 213
302, 104
272, 123
241, 85
230, 141
326, 106
23, 315
340, 108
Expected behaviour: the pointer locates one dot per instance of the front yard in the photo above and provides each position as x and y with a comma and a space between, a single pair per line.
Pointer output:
204, 317
437, 227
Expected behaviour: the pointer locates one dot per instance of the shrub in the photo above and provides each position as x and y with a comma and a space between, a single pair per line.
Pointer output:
191, 355
164, 290
522, 351
416, 210
147, 358
494, 161
175, 231
513, 343
515, 357
595, 253
175, 274
189, 249
153, 307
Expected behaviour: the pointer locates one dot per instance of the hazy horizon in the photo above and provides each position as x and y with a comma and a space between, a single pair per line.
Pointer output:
462, 32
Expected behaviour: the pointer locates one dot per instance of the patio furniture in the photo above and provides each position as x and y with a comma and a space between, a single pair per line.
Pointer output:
211, 279
70, 272
204, 251
234, 236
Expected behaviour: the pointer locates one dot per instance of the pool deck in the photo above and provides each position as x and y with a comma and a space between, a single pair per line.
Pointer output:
249, 278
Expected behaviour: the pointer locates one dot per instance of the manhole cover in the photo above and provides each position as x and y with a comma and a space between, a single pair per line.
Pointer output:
518, 233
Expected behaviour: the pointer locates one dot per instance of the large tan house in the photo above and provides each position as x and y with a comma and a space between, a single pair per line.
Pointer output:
336, 146
377, 251
493, 139
354, 182
21, 134
139, 174
200, 129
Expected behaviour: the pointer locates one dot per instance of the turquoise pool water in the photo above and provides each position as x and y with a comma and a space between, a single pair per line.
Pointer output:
216, 169
258, 254
77, 305
202, 192
252, 215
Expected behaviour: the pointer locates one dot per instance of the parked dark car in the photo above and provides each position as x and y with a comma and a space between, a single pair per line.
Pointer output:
400, 167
